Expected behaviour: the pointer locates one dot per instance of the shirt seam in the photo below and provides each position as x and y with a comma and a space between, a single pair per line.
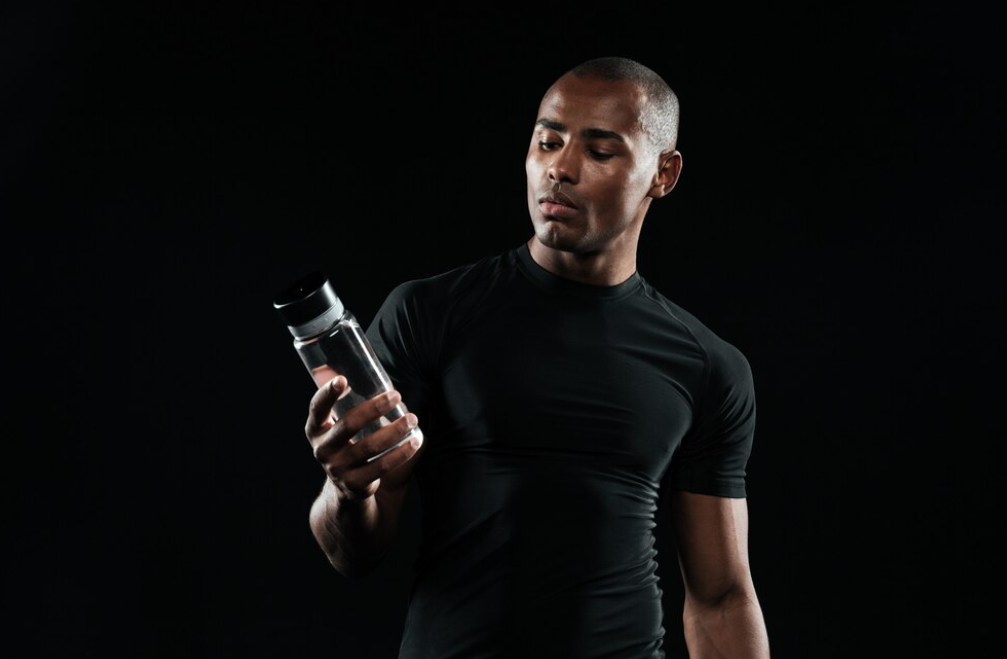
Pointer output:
707, 361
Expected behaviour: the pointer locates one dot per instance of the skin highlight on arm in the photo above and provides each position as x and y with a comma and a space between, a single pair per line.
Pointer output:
722, 617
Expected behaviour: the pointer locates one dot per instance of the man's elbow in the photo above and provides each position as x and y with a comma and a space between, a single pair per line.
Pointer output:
726, 597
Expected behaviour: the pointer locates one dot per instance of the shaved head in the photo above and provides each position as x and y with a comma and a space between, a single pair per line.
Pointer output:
660, 116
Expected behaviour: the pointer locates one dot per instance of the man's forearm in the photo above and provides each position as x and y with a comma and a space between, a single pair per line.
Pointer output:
353, 534
732, 629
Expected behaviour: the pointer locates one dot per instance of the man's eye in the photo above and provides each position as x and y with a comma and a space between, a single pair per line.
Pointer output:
597, 154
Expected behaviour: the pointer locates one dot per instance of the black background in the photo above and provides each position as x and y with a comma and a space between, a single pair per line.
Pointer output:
166, 168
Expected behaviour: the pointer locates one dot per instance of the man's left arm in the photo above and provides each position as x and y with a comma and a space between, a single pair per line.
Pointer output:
722, 616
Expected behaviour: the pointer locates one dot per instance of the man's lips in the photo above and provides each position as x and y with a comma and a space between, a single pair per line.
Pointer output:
557, 198
557, 204
557, 210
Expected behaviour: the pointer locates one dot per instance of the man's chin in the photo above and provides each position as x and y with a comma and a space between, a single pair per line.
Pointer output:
556, 239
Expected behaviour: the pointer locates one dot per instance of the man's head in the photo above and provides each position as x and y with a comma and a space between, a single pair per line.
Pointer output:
605, 136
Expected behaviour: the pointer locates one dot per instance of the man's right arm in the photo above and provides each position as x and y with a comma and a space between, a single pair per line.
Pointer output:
355, 534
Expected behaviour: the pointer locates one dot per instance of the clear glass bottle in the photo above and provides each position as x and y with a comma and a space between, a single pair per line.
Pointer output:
331, 342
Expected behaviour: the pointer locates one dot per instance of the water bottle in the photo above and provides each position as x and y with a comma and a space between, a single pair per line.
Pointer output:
331, 342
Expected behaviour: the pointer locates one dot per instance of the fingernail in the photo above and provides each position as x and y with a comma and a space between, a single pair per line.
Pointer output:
411, 420
336, 381
391, 397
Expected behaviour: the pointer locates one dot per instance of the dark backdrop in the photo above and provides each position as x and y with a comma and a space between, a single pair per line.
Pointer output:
167, 168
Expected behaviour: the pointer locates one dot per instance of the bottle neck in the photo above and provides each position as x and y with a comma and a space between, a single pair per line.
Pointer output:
320, 323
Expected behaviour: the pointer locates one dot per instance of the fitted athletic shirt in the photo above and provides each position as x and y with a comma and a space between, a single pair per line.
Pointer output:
553, 410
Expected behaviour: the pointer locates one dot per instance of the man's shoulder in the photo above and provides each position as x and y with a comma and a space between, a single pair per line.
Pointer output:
452, 284
718, 350
425, 309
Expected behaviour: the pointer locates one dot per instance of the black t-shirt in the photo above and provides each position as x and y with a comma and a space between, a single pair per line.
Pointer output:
553, 410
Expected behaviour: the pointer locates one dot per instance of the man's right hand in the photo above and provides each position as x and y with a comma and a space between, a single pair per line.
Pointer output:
345, 461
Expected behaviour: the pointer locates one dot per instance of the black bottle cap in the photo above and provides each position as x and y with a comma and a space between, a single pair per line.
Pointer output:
308, 299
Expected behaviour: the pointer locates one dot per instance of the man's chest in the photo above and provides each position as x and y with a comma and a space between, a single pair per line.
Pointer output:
576, 382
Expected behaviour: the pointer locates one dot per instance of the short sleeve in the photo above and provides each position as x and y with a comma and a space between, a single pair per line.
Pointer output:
403, 342
714, 452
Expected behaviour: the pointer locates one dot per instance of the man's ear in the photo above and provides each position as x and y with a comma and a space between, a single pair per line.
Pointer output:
667, 175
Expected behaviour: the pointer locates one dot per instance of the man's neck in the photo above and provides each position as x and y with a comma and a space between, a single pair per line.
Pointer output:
607, 268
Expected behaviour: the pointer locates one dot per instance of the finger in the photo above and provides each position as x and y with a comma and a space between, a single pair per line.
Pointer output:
359, 477
320, 409
343, 432
361, 415
359, 453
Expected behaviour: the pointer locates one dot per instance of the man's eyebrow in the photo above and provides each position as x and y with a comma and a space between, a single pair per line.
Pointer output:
587, 132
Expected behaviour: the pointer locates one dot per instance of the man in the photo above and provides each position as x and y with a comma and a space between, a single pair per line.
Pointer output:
561, 396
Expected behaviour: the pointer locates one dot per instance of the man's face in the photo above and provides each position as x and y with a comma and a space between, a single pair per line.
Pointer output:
575, 143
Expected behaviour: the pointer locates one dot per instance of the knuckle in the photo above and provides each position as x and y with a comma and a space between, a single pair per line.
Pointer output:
321, 454
335, 468
333, 473
353, 484
327, 454
382, 403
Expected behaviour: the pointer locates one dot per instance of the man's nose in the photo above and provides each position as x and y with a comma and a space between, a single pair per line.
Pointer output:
563, 167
